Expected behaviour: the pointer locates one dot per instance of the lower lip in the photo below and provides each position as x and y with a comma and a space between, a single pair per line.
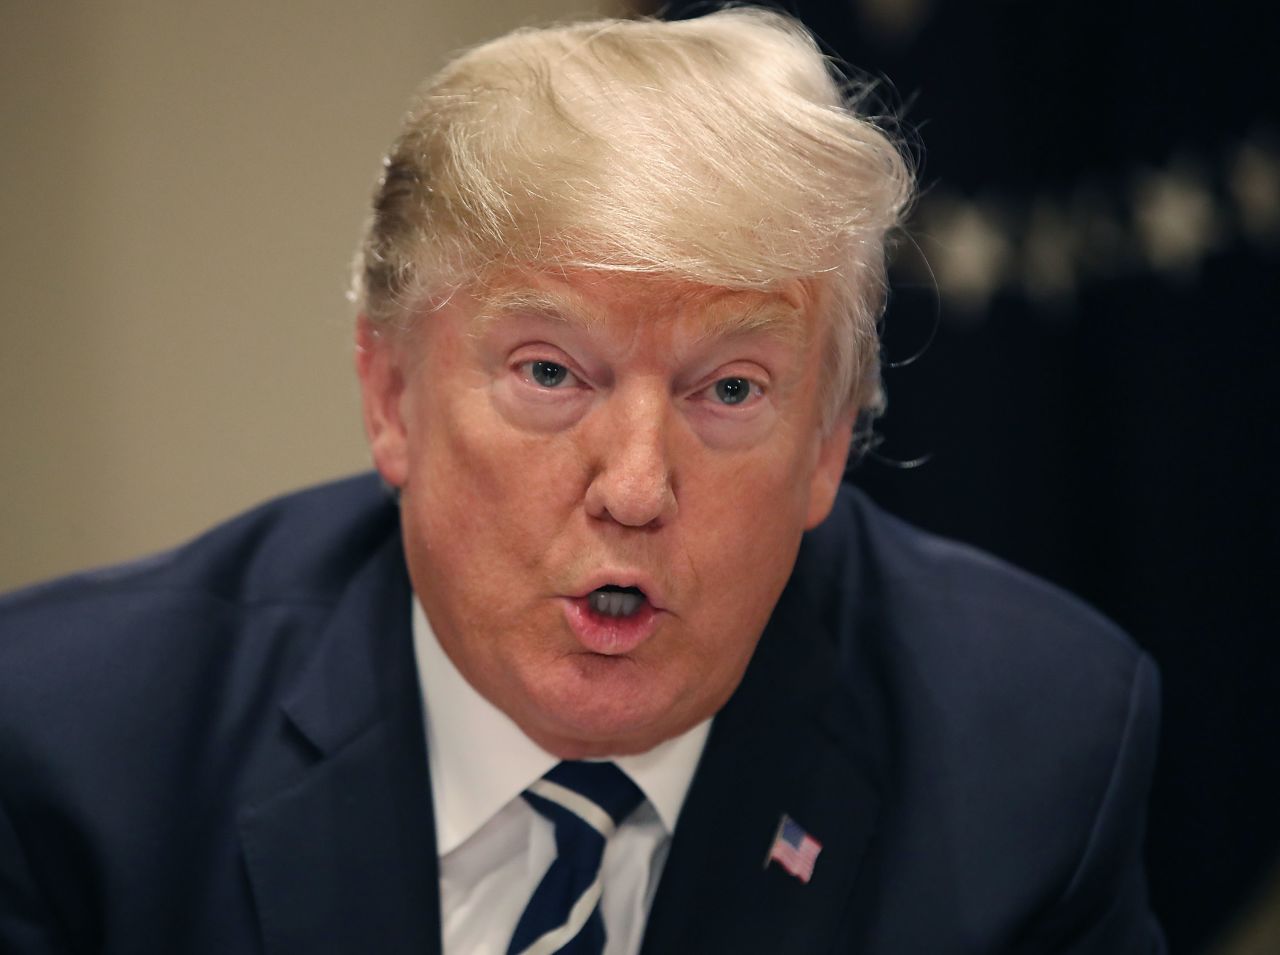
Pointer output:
611, 636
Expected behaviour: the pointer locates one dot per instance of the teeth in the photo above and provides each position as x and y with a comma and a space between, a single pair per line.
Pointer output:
614, 603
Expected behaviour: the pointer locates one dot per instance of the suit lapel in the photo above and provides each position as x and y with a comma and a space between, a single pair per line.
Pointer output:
789, 741
342, 857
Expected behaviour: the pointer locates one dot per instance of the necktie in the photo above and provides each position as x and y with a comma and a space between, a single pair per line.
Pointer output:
586, 802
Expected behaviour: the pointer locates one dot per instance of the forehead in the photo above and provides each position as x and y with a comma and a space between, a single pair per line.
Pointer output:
623, 301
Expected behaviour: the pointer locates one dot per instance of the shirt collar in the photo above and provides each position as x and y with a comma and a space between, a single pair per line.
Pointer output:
480, 760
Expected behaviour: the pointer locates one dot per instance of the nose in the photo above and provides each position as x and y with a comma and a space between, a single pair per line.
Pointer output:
632, 484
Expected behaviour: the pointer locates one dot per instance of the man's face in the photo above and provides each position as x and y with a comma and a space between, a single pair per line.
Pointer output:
604, 481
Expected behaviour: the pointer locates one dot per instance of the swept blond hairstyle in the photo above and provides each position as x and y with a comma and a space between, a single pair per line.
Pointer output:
718, 150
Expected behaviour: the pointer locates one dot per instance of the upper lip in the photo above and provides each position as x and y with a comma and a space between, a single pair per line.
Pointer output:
626, 578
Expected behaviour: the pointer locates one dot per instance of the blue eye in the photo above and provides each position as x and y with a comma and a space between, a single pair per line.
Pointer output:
548, 374
732, 391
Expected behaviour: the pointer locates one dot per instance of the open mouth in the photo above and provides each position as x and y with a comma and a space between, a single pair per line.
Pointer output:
613, 619
614, 601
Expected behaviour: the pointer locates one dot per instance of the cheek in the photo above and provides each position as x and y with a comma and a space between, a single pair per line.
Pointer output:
744, 527
475, 480
749, 499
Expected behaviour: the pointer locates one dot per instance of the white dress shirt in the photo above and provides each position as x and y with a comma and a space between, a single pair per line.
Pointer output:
494, 848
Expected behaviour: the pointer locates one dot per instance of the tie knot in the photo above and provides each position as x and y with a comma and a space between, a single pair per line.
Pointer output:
600, 794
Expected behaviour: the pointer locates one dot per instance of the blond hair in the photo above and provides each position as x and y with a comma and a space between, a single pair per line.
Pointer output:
719, 150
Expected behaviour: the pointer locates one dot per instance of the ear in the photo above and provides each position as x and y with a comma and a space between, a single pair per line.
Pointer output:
381, 390
833, 458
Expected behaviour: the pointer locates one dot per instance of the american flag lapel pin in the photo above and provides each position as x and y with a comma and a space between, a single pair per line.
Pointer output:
794, 849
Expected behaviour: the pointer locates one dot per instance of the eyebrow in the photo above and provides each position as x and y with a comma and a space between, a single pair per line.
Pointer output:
555, 308
774, 316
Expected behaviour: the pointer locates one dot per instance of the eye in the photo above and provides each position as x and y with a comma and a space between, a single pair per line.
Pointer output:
548, 374
732, 391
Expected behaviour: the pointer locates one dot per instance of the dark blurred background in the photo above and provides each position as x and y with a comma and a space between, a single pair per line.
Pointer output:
1097, 401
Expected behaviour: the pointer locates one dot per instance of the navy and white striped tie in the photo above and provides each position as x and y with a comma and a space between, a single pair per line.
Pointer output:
586, 802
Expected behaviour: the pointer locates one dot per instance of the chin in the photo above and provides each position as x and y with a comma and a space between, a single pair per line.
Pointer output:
593, 717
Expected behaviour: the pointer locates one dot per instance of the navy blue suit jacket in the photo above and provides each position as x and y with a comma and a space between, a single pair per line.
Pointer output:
221, 750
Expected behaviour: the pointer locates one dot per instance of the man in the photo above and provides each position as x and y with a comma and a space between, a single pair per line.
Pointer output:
621, 663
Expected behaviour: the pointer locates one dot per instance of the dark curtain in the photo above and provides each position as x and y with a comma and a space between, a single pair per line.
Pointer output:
1099, 400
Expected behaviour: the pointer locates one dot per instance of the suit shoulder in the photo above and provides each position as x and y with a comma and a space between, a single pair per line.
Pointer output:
1017, 726
215, 626
941, 586
246, 589
948, 625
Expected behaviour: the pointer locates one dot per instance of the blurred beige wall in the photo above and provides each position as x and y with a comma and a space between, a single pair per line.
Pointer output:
181, 186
